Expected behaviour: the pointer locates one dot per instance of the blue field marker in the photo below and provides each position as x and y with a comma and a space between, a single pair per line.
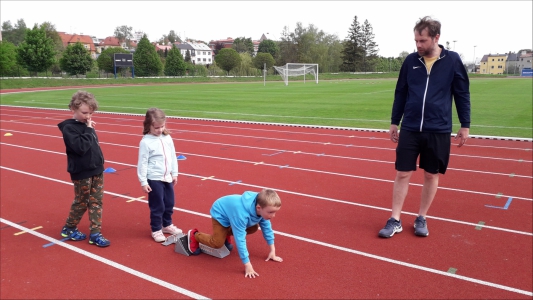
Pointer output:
274, 153
506, 204
110, 170
51, 244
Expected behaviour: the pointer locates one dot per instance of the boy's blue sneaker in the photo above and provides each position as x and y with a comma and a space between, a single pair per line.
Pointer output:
391, 228
421, 226
98, 239
228, 244
73, 234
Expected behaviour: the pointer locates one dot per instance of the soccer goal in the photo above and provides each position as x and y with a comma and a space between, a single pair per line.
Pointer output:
296, 69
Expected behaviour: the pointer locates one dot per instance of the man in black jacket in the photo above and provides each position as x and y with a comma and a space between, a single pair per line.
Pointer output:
429, 81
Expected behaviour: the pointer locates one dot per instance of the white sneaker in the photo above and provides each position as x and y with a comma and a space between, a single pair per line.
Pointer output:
159, 236
171, 229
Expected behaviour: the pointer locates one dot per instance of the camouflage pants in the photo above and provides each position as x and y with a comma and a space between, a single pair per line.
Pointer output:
88, 195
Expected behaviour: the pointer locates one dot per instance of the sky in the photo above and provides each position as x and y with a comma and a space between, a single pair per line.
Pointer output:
477, 27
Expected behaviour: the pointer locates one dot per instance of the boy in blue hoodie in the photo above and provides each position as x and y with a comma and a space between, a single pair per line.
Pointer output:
239, 215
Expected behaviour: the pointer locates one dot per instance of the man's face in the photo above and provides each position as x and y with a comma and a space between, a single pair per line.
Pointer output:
426, 45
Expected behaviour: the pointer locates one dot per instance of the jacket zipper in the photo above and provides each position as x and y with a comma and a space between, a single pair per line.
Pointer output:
426, 90
165, 158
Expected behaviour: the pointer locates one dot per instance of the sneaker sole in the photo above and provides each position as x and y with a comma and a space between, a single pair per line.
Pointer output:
72, 239
102, 246
389, 236
189, 242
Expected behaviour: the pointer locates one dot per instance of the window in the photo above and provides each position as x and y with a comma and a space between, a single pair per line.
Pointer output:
492, 67
204, 58
493, 59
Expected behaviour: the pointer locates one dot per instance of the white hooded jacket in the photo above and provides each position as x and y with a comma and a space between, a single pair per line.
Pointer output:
157, 159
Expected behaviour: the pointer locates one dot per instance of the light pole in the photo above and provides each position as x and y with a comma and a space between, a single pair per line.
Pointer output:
475, 59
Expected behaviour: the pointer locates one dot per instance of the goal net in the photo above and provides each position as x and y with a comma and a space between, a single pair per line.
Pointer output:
296, 69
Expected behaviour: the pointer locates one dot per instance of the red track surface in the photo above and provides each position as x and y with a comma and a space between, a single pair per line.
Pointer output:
336, 189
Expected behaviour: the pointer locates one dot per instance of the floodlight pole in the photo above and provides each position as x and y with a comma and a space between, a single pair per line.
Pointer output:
475, 58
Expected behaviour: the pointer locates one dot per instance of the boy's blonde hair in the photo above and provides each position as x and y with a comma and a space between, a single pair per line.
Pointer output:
153, 115
83, 97
268, 197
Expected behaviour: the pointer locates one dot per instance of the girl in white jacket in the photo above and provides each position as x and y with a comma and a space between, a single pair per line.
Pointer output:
157, 170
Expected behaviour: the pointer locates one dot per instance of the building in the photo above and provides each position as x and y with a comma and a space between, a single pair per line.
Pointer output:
228, 43
525, 61
85, 40
511, 64
493, 64
200, 53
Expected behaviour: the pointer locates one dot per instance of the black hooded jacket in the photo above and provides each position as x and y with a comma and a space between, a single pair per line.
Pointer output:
84, 156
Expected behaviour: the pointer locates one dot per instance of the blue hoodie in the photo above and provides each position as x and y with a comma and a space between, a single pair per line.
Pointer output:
424, 99
238, 211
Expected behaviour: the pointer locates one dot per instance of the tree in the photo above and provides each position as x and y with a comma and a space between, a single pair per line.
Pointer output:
8, 57
287, 48
15, 34
174, 64
36, 53
269, 46
352, 52
173, 37
106, 59
227, 59
243, 44
218, 46
123, 34
369, 47
261, 59
146, 60
187, 56
76, 60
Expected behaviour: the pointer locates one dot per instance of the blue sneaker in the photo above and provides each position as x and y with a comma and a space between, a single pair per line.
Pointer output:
391, 228
99, 240
73, 234
421, 226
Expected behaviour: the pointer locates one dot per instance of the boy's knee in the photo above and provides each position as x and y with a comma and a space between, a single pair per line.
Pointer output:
252, 229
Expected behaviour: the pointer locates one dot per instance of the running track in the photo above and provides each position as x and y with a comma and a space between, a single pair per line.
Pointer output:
336, 188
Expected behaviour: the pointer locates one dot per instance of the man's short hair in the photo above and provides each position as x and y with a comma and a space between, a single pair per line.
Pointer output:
433, 26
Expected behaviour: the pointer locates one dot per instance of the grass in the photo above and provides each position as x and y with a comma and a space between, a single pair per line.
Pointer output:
500, 106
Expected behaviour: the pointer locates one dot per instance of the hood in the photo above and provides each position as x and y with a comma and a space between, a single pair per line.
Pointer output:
67, 122
248, 199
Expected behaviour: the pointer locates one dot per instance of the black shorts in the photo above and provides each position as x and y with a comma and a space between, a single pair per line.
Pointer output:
433, 148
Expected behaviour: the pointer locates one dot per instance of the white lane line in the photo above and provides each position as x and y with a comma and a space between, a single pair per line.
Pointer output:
196, 296
108, 262
271, 149
289, 192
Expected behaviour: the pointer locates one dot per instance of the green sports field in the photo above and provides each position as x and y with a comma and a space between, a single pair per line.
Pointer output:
500, 106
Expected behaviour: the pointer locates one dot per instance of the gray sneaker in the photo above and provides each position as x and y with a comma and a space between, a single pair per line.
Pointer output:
391, 228
421, 227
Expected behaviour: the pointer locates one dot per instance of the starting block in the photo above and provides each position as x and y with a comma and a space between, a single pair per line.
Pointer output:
181, 247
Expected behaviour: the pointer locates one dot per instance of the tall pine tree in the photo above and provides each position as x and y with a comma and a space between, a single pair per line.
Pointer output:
174, 64
352, 53
369, 47
146, 60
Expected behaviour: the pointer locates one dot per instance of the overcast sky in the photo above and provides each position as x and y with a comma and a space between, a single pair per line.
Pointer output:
491, 26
